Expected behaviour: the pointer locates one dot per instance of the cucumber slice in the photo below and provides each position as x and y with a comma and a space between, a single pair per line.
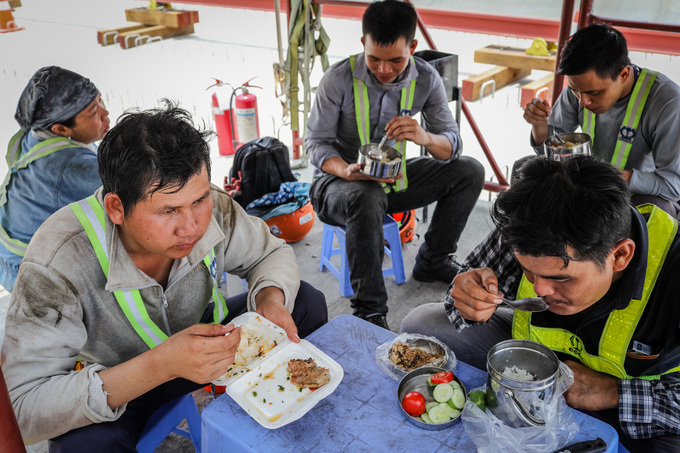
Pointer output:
451, 412
457, 400
426, 418
429, 381
455, 384
443, 393
430, 405
437, 415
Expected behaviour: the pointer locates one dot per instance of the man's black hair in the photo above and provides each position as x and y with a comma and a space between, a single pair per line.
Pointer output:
582, 202
597, 46
152, 150
389, 20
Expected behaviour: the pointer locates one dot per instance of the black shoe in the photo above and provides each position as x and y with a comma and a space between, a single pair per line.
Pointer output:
378, 320
443, 273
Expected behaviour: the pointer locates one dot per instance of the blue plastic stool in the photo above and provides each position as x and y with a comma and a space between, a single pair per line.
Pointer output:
165, 420
391, 234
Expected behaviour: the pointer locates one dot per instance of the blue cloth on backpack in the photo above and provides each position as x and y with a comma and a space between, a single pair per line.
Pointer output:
290, 197
287, 190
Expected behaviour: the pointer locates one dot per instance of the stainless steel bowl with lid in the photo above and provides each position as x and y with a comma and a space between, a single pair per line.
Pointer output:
563, 146
381, 163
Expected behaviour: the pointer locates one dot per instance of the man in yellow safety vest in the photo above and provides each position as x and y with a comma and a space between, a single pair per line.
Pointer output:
360, 100
631, 113
566, 231
129, 281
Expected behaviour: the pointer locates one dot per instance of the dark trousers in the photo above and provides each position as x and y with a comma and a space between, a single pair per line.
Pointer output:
122, 435
360, 206
472, 346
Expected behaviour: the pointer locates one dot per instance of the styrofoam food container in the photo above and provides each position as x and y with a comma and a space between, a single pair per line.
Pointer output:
267, 376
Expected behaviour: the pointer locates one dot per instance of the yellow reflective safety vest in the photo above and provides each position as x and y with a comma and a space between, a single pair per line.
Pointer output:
362, 111
631, 121
621, 324
15, 162
91, 216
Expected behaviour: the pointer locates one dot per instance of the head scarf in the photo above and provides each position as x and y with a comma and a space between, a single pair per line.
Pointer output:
53, 95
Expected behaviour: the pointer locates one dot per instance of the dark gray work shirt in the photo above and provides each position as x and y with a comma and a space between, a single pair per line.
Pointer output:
332, 126
655, 155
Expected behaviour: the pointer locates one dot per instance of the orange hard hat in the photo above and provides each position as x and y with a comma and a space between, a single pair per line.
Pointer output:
294, 226
407, 225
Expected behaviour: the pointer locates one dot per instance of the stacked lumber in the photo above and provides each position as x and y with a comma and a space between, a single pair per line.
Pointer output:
151, 26
512, 64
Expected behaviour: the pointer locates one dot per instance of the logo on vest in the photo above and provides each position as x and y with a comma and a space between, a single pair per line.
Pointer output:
627, 134
576, 347
213, 267
405, 112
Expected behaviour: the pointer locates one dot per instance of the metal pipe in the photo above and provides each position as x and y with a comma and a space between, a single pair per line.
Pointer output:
279, 41
423, 29
10, 435
565, 31
585, 13
672, 28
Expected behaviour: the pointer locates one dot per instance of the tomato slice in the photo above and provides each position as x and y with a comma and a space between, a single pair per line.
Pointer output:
442, 377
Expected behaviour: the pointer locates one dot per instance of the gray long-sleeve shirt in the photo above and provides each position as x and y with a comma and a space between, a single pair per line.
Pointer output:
655, 155
63, 308
332, 126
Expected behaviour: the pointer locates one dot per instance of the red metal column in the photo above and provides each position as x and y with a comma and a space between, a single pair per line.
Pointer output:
585, 13
565, 31
10, 436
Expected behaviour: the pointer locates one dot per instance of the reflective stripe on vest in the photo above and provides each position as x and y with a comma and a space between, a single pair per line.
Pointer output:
15, 162
90, 214
631, 121
362, 111
621, 324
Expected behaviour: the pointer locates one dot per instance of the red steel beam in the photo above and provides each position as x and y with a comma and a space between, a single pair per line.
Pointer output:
642, 40
565, 31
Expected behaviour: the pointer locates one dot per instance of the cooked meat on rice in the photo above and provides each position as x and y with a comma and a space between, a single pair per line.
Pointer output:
307, 374
404, 356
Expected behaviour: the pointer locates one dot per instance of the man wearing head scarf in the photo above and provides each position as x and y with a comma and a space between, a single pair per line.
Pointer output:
52, 159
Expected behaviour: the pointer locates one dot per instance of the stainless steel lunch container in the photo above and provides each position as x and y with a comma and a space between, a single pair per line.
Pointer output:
555, 150
521, 403
374, 167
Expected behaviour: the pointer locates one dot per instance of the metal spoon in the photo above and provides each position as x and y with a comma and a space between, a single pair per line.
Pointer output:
378, 153
382, 142
557, 137
534, 304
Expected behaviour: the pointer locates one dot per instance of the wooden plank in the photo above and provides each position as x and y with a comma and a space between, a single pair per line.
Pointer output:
127, 40
530, 90
514, 57
501, 74
172, 18
14, 3
110, 33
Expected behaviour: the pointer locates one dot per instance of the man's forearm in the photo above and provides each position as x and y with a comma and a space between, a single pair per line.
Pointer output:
131, 379
539, 132
335, 166
439, 147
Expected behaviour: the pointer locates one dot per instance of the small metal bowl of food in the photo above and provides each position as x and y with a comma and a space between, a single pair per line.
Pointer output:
411, 353
381, 162
562, 146
428, 405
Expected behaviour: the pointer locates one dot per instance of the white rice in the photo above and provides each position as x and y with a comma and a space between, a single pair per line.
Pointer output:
517, 374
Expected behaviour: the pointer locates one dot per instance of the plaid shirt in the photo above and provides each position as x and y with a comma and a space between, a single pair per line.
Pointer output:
646, 408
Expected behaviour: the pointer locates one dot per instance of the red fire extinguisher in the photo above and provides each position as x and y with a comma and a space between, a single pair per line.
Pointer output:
238, 123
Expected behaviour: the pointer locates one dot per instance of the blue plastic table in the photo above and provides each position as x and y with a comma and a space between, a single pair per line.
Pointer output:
362, 414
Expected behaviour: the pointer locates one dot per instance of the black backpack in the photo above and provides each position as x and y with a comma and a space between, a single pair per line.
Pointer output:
261, 165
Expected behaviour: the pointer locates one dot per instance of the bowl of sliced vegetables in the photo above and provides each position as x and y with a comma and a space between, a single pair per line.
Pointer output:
431, 397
